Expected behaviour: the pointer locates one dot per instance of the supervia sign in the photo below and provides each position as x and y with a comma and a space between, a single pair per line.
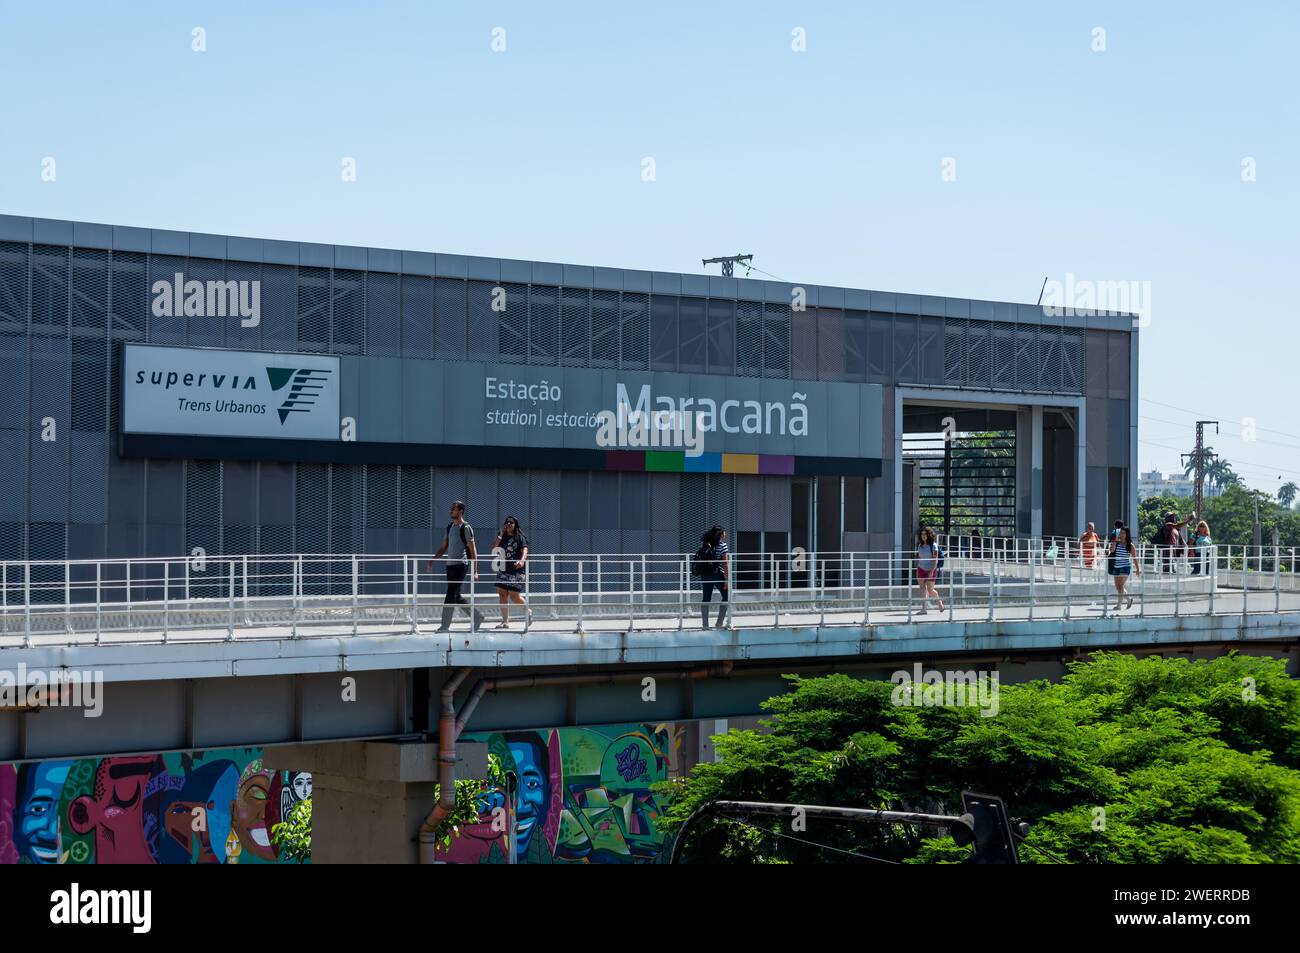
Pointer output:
197, 392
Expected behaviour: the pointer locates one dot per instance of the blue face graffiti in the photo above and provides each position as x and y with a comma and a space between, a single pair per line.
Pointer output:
36, 827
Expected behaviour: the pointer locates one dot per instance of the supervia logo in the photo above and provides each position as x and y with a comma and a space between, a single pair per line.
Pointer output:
304, 384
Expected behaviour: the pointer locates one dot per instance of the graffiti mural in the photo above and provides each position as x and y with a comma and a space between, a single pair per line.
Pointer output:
205, 807
574, 795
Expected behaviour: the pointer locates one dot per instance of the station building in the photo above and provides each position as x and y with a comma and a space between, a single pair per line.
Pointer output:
334, 399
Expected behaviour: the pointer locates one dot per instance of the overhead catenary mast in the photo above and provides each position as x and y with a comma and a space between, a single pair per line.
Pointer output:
728, 263
1200, 456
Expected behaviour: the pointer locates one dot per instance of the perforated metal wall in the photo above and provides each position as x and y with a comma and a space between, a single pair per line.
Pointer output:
64, 311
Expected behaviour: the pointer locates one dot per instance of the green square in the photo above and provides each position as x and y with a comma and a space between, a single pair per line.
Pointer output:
664, 461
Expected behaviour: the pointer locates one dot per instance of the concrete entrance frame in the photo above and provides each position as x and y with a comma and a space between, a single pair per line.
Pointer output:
998, 400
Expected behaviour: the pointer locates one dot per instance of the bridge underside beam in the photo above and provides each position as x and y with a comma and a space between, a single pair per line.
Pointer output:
191, 714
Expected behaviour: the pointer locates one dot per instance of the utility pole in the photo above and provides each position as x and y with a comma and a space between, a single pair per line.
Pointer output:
728, 263
1200, 456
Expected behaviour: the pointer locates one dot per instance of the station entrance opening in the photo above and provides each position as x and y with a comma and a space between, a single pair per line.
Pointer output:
974, 470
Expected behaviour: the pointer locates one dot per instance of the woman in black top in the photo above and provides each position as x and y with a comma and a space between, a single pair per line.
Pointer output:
715, 576
510, 553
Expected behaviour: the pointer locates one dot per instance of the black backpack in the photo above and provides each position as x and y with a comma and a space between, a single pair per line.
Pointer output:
704, 562
463, 541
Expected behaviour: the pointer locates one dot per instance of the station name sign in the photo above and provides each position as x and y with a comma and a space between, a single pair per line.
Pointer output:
418, 404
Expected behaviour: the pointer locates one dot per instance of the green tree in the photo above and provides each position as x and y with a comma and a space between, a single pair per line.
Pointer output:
1122, 761
1286, 494
1231, 516
292, 836
469, 792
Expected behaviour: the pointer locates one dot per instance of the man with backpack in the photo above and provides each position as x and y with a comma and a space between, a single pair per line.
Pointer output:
462, 558
1168, 540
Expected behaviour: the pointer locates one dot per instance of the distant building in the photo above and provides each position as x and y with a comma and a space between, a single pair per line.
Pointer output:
1155, 483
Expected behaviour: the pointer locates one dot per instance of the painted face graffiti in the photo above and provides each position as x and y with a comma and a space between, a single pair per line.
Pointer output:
250, 809
36, 832
114, 810
530, 800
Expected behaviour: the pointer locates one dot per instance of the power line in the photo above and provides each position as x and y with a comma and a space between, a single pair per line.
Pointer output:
1248, 464
1194, 413
1183, 423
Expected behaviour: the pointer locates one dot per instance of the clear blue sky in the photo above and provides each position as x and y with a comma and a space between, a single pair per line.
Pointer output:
1115, 165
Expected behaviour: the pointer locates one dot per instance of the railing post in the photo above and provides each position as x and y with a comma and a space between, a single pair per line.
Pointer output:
911, 573
1213, 574
1142, 595
230, 593
580, 613
951, 597
1277, 579
1178, 591
528, 600
355, 606
99, 621
993, 585
1245, 591
1029, 556
551, 570
866, 589
167, 616
776, 599
67, 590
244, 569
297, 592
819, 590
27, 604
472, 576
1069, 583
415, 596
631, 592
683, 579
731, 592
645, 585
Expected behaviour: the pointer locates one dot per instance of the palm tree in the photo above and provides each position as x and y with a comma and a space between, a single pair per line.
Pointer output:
1220, 473
1189, 468
1286, 494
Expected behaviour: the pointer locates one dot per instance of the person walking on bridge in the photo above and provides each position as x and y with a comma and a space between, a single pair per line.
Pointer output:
928, 557
1121, 562
510, 553
1088, 545
1200, 545
462, 559
710, 565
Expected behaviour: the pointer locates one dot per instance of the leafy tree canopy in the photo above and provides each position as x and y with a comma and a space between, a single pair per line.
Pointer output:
1125, 760
1230, 516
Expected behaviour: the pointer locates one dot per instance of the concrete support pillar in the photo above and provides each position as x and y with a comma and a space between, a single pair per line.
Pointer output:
369, 797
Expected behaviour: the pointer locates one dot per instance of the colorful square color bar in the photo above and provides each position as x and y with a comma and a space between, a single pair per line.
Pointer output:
676, 461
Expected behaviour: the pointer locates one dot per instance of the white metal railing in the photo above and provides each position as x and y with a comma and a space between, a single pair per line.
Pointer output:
301, 595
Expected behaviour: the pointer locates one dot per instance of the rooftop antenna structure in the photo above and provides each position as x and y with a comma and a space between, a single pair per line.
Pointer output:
728, 263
